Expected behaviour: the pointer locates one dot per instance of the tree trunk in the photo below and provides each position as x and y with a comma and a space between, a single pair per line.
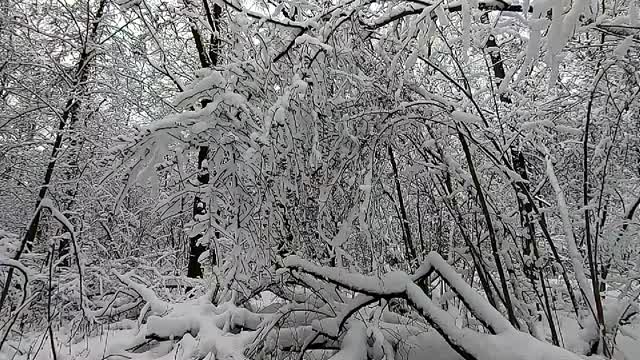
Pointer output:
67, 118
194, 269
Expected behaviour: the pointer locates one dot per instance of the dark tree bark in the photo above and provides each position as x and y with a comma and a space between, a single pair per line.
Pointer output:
194, 269
496, 60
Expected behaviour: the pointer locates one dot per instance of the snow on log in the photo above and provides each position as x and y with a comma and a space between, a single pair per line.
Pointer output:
466, 117
507, 344
157, 305
477, 304
390, 283
354, 345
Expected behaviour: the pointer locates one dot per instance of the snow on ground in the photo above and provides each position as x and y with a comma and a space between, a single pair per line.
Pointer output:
628, 343
37, 346
429, 345
205, 334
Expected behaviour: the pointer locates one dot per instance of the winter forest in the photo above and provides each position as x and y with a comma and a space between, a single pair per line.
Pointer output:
319, 180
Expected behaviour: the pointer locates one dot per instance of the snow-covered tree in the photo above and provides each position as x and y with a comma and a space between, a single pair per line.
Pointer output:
399, 179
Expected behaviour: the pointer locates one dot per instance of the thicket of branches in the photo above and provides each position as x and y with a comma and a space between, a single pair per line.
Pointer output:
396, 178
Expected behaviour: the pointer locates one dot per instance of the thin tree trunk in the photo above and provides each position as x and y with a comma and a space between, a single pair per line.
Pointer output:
591, 257
411, 251
531, 247
419, 214
492, 236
